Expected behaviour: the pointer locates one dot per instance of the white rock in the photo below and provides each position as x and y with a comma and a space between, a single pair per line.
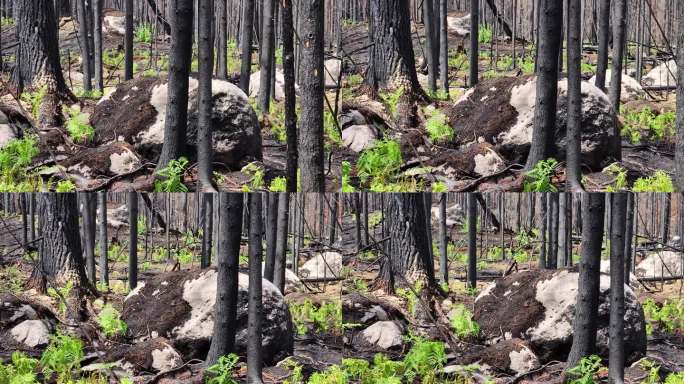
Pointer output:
384, 334
459, 25
166, 359
454, 215
324, 265
114, 25
662, 75
489, 164
523, 361
661, 264
255, 84
359, 138
292, 281
333, 67
32, 333
630, 89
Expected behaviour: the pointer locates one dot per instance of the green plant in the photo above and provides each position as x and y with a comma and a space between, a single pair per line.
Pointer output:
65, 186
78, 126
485, 34
296, 375
11, 280
172, 177
620, 175
63, 354
539, 178
660, 182
256, 174
20, 370
324, 318
15, 157
223, 371
391, 99
332, 375
380, 161
585, 372
60, 294
669, 317
438, 128
439, 187
35, 100
653, 371
657, 127
347, 187
110, 322
675, 378
143, 33
462, 322
279, 184
424, 359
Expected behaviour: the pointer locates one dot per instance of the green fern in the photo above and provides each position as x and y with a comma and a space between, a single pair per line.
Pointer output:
172, 177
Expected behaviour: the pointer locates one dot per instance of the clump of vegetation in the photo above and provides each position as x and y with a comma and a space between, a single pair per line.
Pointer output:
380, 161
143, 33
656, 127
65, 186
172, 177
78, 126
35, 100
620, 175
63, 354
15, 157
279, 184
660, 182
462, 322
224, 370
20, 370
324, 318
669, 317
60, 294
539, 178
391, 99
256, 174
347, 186
110, 322
485, 34
587, 370
438, 128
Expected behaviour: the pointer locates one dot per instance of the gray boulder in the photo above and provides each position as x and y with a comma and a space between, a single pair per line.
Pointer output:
136, 113
323, 265
663, 75
382, 335
630, 88
358, 138
24, 324
8, 131
664, 264
180, 307
539, 307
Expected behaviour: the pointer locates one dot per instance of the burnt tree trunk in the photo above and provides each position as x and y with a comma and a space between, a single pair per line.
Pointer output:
616, 372
271, 235
586, 309
290, 95
619, 41
430, 42
222, 39
443, 240
102, 215
472, 241
97, 45
227, 260
574, 153
604, 42
679, 143
128, 41
246, 32
281, 246
89, 234
132, 202
474, 41
208, 229
255, 312
206, 102
266, 52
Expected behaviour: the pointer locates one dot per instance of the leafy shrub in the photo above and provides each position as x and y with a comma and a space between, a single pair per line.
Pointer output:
660, 127
65, 186
78, 126
660, 182
15, 157
326, 318
143, 33
424, 359
620, 175
669, 317
256, 174
586, 371
63, 354
279, 184
172, 177
110, 322
380, 161
539, 178
35, 100
462, 322
391, 99
485, 34
347, 187
222, 372
438, 128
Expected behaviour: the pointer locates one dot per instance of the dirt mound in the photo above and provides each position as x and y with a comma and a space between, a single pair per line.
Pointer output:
180, 307
136, 112
539, 307
501, 112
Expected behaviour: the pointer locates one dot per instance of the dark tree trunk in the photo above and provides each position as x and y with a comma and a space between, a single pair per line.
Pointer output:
586, 309
619, 41
254, 357
38, 61
679, 143
563, 238
208, 230
227, 260
266, 52
443, 240
85, 44
271, 235
474, 41
574, 131
281, 246
357, 221
206, 102
407, 250
246, 44
665, 218
430, 43
544, 221
97, 45
104, 267
472, 241
332, 235
616, 373
443, 48
290, 95
551, 14
89, 233
128, 41
629, 234
604, 42
179, 69
132, 240
312, 90
60, 253
552, 261
222, 39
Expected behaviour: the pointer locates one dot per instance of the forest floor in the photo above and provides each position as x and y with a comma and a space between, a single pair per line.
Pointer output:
330, 317
433, 155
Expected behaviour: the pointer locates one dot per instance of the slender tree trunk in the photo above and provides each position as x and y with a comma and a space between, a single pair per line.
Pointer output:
97, 44
281, 246
227, 259
312, 90
616, 372
586, 309
444, 240
254, 357
104, 267
85, 44
604, 43
132, 240
271, 235
128, 41
552, 262
430, 42
332, 235
679, 143
222, 39
665, 218
290, 96
206, 102
268, 9
563, 238
551, 13
443, 48
246, 44
619, 41
629, 234
574, 132
208, 230
89, 232
180, 57
472, 241
474, 41
543, 264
